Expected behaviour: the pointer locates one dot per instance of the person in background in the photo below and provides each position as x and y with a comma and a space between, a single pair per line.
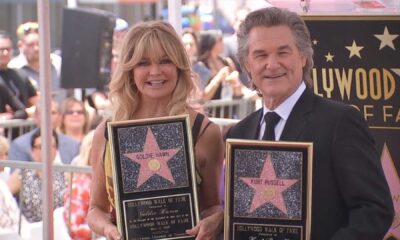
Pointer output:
28, 182
120, 30
230, 45
96, 105
202, 76
4, 147
74, 119
350, 195
15, 80
76, 204
9, 211
20, 148
28, 59
202, 73
222, 70
153, 79
10, 106
96, 100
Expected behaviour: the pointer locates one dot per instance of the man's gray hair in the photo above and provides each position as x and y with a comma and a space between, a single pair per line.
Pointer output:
272, 16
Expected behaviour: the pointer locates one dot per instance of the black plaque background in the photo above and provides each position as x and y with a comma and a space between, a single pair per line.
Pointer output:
265, 228
167, 191
159, 220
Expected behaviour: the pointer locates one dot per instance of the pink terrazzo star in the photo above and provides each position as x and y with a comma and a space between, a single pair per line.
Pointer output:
268, 188
394, 185
152, 160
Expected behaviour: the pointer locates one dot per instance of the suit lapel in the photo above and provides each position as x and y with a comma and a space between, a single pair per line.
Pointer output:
297, 120
253, 125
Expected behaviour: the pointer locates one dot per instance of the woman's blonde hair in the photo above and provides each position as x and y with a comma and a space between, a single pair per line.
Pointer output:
83, 158
4, 145
85, 148
145, 40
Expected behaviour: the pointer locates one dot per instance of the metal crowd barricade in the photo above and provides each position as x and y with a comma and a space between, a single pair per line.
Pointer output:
38, 166
229, 108
12, 128
224, 122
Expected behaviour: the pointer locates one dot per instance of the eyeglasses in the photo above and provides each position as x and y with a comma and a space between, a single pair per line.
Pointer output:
71, 112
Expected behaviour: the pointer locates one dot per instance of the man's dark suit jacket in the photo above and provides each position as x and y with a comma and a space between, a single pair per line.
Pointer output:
350, 196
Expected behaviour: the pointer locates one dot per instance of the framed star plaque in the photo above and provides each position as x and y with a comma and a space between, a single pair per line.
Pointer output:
154, 177
268, 190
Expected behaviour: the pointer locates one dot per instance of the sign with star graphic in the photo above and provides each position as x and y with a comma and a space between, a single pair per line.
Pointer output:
356, 61
154, 177
268, 190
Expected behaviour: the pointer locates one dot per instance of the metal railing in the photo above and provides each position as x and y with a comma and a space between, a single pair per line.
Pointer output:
12, 128
224, 122
39, 166
229, 108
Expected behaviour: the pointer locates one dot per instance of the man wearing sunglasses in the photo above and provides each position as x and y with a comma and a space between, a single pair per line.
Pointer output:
14, 81
28, 59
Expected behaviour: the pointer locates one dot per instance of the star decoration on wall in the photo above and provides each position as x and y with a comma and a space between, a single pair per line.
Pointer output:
354, 50
315, 42
152, 160
268, 188
329, 57
396, 70
394, 186
386, 39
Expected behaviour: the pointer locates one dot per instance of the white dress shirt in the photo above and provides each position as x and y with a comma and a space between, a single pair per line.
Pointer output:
283, 110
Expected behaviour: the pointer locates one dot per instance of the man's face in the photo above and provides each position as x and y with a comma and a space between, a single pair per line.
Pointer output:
55, 116
30, 47
274, 62
5, 52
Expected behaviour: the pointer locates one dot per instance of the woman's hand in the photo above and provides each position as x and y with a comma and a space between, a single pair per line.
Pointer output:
223, 73
234, 81
209, 227
111, 232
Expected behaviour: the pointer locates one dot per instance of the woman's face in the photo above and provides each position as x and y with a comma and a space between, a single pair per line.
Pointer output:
37, 149
190, 45
156, 77
74, 117
218, 47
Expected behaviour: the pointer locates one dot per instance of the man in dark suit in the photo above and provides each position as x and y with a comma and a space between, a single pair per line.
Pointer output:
350, 196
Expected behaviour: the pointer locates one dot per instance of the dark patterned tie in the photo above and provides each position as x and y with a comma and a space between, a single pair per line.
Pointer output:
271, 119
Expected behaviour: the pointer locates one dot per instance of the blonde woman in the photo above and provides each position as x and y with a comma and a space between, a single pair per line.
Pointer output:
75, 119
153, 79
4, 147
